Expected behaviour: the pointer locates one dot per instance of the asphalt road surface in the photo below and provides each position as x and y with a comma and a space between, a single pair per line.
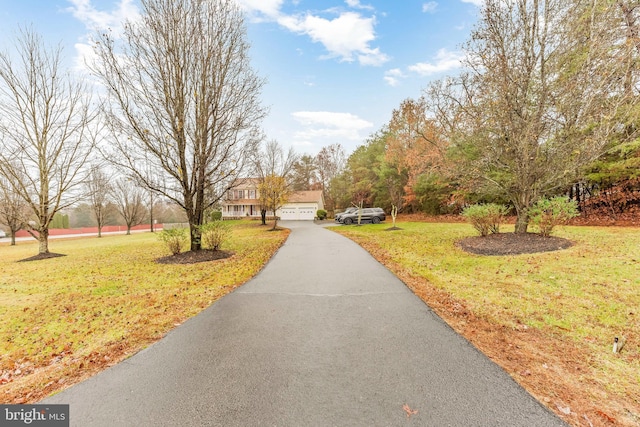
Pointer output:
323, 336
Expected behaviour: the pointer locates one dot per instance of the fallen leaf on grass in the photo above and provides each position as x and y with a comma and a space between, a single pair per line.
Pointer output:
564, 409
408, 410
606, 416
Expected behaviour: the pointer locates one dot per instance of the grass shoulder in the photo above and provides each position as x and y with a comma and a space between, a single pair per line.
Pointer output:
547, 318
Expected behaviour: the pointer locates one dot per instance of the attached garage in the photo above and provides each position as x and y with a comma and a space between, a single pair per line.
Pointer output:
302, 206
298, 214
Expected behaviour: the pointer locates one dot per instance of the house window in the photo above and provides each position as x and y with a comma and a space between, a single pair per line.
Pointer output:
240, 194
252, 194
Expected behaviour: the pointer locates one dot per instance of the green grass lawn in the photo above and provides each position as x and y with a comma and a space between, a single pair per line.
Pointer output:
106, 299
582, 297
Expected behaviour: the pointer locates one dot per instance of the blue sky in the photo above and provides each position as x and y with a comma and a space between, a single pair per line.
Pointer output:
335, 69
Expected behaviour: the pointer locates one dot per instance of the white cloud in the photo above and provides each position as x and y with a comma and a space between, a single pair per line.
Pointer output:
430, 7
478, 3
393, 76
84, 55
269, 8
96, 20
324, 124
346, 37
356, 4
99, 20
444, 61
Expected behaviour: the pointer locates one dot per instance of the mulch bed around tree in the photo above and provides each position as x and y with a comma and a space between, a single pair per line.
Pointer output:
512, 244
42, 256
193, 257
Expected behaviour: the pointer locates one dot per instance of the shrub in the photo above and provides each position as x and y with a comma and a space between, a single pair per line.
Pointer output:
174, 238
321, 214
215, 216
547, 213
214, 234
485, 218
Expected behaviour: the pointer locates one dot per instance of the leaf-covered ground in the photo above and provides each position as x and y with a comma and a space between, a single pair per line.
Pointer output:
65, 318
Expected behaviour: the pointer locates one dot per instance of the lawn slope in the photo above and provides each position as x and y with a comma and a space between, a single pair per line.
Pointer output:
66, 318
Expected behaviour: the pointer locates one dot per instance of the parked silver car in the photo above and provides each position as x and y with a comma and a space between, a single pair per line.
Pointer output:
346, 211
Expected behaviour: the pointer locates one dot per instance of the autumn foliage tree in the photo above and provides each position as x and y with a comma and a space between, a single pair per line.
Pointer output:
541, 98
275, 192
268, 163
414, 146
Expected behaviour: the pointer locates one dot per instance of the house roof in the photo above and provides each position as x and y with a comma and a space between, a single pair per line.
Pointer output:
240, 182
305, 196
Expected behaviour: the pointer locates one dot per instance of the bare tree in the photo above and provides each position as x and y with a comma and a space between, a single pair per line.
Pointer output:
14, 211
627, 18
268, 164
540, 100
151, 203
184, 98
331, 161
129, 200
99, 188
45, 118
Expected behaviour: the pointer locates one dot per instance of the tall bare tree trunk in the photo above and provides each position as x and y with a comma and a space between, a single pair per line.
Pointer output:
185, 103
43, 241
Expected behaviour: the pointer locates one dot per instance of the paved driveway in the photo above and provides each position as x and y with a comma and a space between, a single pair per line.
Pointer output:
323, 336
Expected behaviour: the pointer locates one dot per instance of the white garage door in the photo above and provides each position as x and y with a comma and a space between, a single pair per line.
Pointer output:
297, 214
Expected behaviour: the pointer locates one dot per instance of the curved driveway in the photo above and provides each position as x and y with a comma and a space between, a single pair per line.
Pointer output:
323, 336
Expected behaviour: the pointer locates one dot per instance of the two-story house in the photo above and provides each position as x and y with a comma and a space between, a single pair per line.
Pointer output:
243, 200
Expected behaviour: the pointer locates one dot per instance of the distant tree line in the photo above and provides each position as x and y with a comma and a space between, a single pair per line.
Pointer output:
548, 104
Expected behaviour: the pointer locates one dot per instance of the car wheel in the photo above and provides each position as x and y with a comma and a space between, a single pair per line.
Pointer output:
348, 221
375, 220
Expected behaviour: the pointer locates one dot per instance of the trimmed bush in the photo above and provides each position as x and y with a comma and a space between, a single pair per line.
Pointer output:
215, 234
174, 238
548, 213
321, 214
485, 218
